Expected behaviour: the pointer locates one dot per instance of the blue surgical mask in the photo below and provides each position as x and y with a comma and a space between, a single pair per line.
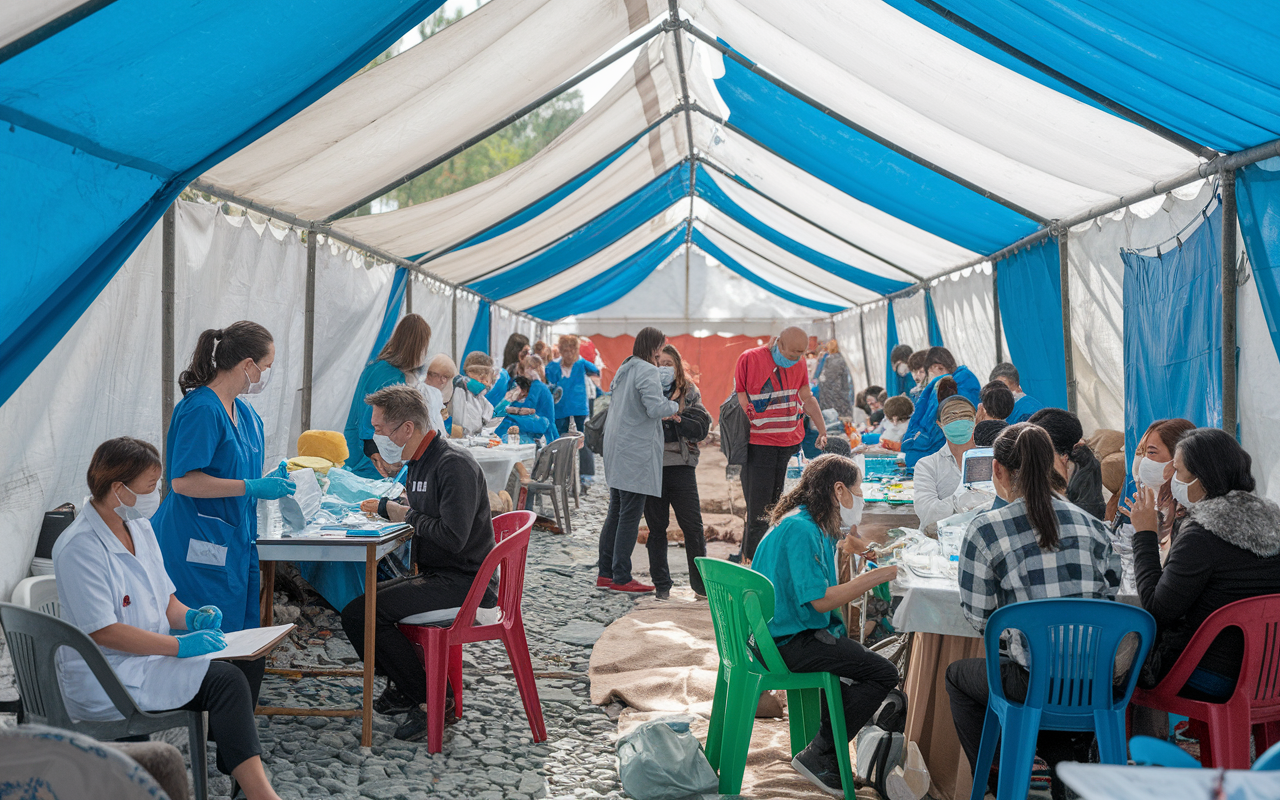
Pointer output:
782, 360
668, 377
958, 431
476, 387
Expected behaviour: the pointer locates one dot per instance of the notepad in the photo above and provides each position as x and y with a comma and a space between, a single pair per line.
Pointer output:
252, 643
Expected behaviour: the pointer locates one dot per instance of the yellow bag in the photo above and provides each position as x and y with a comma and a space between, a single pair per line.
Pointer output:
329, 445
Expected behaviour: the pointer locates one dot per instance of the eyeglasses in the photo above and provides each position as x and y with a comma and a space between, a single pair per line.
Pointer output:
438, 376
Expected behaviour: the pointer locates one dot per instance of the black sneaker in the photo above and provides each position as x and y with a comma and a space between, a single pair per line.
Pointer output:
414, 727
821, 768
662, 594
392, 702
735, 558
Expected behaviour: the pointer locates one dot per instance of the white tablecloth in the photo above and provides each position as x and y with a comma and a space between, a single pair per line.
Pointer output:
497, 462
1110, 782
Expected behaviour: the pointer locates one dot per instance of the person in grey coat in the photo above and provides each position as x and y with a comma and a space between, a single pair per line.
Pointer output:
679, 477
632, 458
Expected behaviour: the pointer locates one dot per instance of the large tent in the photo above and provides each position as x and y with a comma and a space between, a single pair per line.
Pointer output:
888, 166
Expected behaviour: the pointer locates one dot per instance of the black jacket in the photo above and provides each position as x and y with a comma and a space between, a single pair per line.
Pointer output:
1085, 486
449, 510
1227, 549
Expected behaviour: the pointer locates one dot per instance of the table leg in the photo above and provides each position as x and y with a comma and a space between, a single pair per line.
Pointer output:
370, 623
267, 594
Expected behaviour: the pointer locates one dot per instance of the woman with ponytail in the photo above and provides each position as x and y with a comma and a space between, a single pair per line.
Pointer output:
1037, 546
208, 522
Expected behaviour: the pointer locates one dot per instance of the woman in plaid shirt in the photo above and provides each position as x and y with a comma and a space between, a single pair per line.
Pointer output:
1037, 546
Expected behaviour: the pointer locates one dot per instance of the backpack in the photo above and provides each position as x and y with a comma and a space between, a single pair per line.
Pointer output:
593, 433
881, 744
735, 431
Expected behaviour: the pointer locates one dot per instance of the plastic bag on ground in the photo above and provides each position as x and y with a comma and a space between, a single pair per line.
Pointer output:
911, 780
661, 760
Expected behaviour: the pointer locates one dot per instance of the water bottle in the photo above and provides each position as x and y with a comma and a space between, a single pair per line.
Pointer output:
513, 436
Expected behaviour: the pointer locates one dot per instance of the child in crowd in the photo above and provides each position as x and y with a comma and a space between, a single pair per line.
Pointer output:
897, 413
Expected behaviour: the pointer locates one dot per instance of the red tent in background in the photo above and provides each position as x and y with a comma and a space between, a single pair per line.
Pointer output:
709, 360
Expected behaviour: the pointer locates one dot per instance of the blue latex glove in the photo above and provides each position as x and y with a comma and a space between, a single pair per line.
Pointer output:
205, 618
269, 488
200, 643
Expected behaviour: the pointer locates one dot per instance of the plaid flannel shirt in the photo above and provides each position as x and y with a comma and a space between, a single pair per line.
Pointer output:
1001, 562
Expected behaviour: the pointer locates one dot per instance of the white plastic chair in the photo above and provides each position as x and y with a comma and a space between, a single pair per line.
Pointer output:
38, 594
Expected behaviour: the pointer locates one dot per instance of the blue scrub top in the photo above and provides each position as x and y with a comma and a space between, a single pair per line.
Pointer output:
540, 423
573, 403
1024, 408
499, 390
208, 543
378, 375
800, 560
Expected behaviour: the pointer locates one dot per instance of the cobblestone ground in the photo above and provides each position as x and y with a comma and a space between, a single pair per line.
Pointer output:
489, 754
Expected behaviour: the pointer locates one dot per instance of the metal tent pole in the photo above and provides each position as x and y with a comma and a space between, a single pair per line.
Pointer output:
408, 293
673, 8
500, 124
454, 325
309, 335
995, 314
1229, 389
51, 28
168, 291
1064, 281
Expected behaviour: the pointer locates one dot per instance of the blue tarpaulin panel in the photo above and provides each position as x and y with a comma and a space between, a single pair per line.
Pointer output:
1031, 307
733, 266
865, 169
707, 188
106, 122
1258, 207
1173, 333
935, 330
891, 341
1203, 68
613, 283
602, 231
479, 336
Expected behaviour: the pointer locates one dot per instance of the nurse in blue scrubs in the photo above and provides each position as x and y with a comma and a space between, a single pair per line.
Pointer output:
208, 523
399, 361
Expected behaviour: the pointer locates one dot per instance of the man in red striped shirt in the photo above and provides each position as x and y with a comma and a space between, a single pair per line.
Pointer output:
773, 388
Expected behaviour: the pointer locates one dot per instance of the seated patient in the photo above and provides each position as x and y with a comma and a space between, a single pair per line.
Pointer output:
112, 585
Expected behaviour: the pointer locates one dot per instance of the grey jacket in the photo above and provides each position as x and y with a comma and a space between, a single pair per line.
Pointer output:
682, 452
633, 429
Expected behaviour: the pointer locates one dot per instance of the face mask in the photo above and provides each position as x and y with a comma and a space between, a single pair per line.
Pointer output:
476, 387
782, 360
894, 430
668, 377
144, 505
903, 370
391, 452
1137, 461
850, 516
1179, 489
958, 431
1151, 472
256, 387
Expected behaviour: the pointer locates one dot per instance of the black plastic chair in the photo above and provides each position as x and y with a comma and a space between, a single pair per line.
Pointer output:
34, 639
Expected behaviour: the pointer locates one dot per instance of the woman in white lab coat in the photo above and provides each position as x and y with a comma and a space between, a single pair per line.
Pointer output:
113, 586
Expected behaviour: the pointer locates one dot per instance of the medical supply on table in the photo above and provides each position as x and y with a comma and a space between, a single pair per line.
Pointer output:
303, 506
513, 436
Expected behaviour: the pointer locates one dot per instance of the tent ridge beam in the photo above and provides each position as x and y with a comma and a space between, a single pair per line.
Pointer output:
433, 255
802, 217
1223, 163
1111, 105
821, 107
500, 124
768, 260
350, 241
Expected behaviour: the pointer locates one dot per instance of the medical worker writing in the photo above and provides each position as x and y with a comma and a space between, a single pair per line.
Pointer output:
214, 455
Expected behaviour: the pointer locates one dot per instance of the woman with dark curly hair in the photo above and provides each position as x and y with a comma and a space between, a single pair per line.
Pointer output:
798, 555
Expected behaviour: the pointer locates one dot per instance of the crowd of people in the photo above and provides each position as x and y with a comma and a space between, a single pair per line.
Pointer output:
156, 582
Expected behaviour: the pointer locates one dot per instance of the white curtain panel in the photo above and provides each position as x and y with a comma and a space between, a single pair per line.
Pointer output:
848, 333
913, 324
1259, 370
962, 302
874, 320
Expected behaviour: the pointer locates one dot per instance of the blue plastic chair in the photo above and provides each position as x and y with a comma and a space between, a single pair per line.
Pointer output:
1072, 643
1148, 751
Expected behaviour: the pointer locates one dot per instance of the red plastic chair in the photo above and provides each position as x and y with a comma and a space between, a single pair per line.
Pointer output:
1223, 728
441, 648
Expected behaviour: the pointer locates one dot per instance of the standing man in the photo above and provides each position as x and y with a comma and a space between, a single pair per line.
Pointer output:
1023, 404
773, 389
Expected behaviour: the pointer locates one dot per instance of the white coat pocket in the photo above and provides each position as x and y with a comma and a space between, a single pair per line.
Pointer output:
199, 552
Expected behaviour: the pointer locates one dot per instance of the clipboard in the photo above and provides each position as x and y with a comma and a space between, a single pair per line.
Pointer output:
252, 643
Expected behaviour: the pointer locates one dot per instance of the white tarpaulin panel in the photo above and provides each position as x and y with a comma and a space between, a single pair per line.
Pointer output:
874, 326
912, 324
20, 17
1259, 412
468, 307
848, 333
962, 302
392, 119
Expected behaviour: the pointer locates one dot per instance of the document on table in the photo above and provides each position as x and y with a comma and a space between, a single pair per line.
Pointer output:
252, 643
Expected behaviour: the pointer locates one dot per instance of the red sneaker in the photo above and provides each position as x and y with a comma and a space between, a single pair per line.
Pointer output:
602, 582
634, 586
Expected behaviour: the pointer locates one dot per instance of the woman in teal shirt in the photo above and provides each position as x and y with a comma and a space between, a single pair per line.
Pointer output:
798, 555
398, 362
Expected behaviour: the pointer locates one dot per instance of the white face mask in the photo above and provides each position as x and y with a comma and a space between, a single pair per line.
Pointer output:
1179, 490
391, 452
256, 387
903, 370
1151, 472
894, 430
1133, 470
144, 505
851, 515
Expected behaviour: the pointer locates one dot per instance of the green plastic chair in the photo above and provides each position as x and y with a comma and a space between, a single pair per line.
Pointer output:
741, 601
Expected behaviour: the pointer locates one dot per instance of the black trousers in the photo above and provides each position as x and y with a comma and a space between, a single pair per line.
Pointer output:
967, 687
586, 458
865, 678
226, 694
762, 479
679, 493
395, 656
619, 533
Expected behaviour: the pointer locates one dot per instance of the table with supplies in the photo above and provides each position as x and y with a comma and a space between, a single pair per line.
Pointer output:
497, 462
318, 542
1113, 782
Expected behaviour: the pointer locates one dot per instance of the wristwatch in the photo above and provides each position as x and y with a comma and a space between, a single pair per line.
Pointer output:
382, 508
